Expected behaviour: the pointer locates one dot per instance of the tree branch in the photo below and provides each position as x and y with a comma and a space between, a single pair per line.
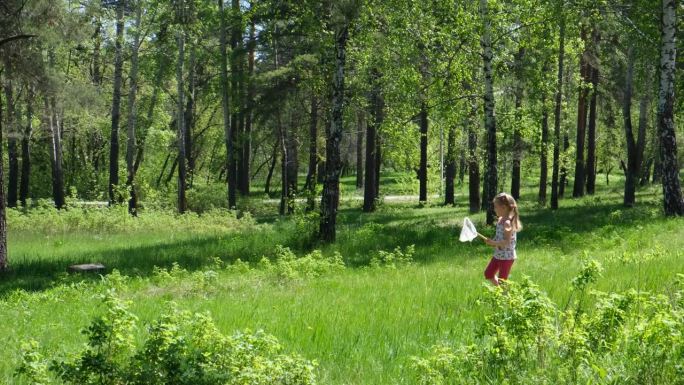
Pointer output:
15, 37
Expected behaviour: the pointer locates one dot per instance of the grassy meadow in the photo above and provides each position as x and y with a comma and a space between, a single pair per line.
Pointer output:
361, 323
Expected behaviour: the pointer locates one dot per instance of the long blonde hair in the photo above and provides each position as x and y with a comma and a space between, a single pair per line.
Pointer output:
508, 201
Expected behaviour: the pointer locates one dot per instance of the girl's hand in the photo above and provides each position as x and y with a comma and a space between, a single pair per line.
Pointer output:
490, 242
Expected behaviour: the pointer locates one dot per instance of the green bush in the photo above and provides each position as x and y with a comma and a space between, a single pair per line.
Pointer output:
628, 338
179, 348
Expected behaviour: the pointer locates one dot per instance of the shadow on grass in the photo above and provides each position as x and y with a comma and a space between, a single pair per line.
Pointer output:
433, 230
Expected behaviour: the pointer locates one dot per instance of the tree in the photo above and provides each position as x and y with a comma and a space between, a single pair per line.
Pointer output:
116, 104
557, 113
12, 122
490, 177
225, 104
343, 16
635, 148
180, 118
25, 147
672, 192
3, 216
376, 106
585, 71
132, 113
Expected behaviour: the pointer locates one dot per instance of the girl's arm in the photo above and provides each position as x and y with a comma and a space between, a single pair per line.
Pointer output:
508, 234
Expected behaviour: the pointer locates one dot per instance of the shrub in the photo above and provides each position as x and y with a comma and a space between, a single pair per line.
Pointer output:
179, 348
627, 339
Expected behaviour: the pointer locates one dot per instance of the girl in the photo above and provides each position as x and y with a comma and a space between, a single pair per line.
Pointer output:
504, 241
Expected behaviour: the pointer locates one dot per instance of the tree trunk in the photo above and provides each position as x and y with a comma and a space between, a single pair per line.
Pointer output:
517, 137
555, 188
591, 135
3, 217
282, 141
55, 152
378, 146
292, 164
163, 169
313, 154
274, 159
189, 115
564, 171
331, 186
132, 117
422, 171
359, 149
450, 166
376, 110
116, 105
180, 121
225, 103
630, 170
580, 176
249, 110
25, 148
235, 39
543, 155
490, 178
11, 136
672, 192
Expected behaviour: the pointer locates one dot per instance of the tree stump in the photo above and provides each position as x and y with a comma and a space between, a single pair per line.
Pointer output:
87, 268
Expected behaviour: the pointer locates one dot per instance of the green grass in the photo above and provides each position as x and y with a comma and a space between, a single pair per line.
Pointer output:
362, 325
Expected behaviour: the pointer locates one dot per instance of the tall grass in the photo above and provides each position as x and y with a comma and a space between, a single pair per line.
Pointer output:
362, 324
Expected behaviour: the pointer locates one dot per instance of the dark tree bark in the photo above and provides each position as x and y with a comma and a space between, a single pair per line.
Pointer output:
585, 74
517, 137
116, 105
4, 263
249, 110
491, 176
555, 188
635, 148
378, 150
543, 155
450, 166
12, 132
132, 117
284, 185
376, 105
26, 149
274, 160
310, 184
422, 171
225, 103
591, 134
163, 169
360, 124
235, 75
331, 186
189, 115
564, 171
672, 192
182, 177
292, 164
55, 152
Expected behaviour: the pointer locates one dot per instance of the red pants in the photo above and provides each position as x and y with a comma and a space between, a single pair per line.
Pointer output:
503, 266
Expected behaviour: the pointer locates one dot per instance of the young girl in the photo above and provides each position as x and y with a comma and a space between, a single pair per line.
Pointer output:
504, 241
